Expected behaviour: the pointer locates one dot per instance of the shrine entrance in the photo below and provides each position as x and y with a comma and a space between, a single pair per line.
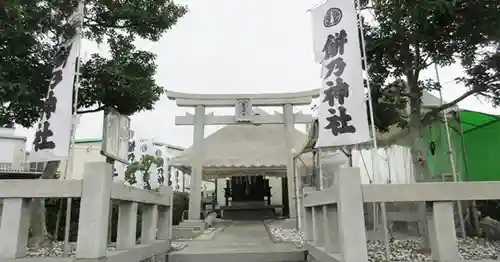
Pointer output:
249, 188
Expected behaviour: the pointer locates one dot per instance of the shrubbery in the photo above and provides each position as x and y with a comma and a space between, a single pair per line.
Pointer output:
181, 202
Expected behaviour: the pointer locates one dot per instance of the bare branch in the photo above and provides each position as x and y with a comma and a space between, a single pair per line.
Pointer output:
429, 116
110, 24
426, 63
492, 97
106, 25
90, 110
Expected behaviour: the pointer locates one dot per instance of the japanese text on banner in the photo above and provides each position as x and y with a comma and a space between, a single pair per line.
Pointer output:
53, 134
342, 112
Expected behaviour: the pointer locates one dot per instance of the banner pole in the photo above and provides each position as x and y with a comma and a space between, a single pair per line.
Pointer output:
69, 163
374, 135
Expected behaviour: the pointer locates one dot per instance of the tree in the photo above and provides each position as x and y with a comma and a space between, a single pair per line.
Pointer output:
407, 37
143, 167
29, 39
485, 75
124, 81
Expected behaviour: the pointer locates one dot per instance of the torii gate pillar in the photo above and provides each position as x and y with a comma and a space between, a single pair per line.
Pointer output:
243, 104
290, 168
197, 164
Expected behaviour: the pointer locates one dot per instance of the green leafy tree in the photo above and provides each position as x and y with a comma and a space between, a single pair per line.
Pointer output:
485, 76
30, 33
142, 167
407, 37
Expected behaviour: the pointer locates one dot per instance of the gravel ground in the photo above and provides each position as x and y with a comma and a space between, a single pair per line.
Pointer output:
405, 250
56, 251
58, 248
178, 246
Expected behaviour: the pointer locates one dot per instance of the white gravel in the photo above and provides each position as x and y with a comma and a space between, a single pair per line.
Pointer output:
58, 249
209, 230
404, 250
178, 246
287, 235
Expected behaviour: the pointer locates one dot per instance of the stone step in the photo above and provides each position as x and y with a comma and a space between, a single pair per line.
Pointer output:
197, 225
251, 214
250, 256
185, 232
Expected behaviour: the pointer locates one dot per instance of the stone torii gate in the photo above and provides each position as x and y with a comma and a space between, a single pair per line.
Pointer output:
243, 104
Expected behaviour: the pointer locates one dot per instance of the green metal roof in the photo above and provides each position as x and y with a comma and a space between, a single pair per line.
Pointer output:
471, 120
88, 140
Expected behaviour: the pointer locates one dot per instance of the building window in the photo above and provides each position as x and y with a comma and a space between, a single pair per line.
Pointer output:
37, 166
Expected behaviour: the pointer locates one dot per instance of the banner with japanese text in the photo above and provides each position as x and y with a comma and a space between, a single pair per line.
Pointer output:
342, 114
53, 134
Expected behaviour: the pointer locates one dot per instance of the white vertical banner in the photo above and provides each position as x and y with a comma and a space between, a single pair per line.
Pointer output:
52, 138
342, 114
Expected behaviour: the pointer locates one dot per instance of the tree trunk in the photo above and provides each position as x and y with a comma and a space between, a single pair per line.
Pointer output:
418, 149
418, 152
60, 208
39, 235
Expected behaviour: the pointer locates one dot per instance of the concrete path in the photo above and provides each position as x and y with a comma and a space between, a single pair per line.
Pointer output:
240, 241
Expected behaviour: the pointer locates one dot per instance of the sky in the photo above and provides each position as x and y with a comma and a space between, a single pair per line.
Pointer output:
228, 46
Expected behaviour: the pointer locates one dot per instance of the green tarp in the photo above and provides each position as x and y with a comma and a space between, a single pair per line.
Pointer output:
479, 147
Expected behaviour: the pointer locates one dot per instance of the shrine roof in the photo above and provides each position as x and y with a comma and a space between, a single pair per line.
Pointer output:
245, 146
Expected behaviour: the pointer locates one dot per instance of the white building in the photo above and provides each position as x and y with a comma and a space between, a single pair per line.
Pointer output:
89, 150
14, 159
84, 150
12, 150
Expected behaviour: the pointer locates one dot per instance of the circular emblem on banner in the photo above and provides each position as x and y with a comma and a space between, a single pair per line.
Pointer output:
332, 17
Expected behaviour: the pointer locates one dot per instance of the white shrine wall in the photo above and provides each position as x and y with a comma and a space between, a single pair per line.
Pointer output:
393, 163
84, 150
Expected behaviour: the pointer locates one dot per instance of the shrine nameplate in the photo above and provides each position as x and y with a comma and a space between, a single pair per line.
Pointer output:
243, 110
116, 136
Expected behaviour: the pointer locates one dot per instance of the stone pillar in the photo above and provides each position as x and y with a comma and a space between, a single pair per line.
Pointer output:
127, 225
149, 223
308, 224
165, 217
331, 225
290, 168
92, 239
318, 226
443, 238
299, 195
15, 224
197, 164
352, 234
